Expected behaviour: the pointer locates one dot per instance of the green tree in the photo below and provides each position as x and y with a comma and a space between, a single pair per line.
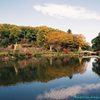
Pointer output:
4, 42
14, 33
96, 42
87, 47
28, 33
69, 31
42, 35
23, 31
4, 32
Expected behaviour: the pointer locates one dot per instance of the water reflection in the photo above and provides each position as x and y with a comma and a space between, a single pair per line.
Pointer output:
96, 66
64, 92
40, 69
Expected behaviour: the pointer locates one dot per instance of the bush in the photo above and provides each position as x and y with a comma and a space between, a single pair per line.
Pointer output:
9, 56
3, 54
22, 54
67, 52
38, 53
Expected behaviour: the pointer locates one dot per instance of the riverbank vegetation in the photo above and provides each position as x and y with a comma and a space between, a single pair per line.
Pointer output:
40, 36
39, 40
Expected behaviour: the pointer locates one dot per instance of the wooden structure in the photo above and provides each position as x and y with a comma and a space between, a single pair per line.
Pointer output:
89, 52
93, 56
81, 52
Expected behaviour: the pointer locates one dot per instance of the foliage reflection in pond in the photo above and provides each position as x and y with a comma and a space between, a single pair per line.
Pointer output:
96, 66
40, 69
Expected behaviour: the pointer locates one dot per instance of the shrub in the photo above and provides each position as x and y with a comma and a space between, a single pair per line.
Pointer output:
3, 54
65, 50
68, 52
38, 53
22, 54
9, 56
75, 50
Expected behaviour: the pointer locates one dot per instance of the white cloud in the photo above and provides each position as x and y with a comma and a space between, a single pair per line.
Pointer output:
63, 93
67, 11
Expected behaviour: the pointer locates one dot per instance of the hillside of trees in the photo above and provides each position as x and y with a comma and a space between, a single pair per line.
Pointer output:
42, 36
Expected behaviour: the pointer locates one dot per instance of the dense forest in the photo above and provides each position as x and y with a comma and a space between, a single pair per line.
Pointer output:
40, 36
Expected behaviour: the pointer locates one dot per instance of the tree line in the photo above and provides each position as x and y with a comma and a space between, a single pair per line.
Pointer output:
40, 36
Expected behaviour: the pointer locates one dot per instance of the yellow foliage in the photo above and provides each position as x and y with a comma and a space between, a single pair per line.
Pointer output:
48, 36
79, 40
60, 37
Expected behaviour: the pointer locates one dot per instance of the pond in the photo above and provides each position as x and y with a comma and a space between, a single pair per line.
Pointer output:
66, 78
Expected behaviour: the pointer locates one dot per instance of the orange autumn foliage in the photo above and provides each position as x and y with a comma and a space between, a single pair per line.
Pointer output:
79, 40
59, 37
47, 36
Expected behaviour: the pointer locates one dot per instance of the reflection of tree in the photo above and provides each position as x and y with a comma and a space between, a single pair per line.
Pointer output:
96, 67
39, 69
88, 59
61, 69
81, 58
9, 76
71, 76
66, 59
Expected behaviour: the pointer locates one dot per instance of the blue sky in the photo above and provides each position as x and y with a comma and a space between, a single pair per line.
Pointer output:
81, 16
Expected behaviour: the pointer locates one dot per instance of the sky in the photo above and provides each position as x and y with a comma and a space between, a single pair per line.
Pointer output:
81, 16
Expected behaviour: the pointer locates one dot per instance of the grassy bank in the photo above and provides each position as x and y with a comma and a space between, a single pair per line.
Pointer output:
18, 55
55, 53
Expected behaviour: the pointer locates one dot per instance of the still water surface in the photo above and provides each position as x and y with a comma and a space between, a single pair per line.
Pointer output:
69, 78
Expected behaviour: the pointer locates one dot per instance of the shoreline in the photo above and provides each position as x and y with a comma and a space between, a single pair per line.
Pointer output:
40, 54
37, 55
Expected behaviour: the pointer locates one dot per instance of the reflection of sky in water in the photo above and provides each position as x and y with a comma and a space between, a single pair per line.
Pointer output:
89, 71
89, 68
79, 84
63, 92
84, 84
